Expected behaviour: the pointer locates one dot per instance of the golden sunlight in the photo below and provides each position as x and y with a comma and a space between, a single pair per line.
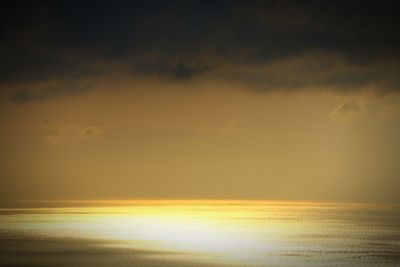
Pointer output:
249, 233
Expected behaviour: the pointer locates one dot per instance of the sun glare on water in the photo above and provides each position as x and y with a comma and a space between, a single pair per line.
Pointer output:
241, 233
192, 230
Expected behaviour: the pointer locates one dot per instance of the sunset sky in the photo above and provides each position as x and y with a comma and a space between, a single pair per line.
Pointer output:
286, 100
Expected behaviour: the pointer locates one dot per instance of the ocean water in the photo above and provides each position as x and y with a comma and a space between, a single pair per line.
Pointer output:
199, 233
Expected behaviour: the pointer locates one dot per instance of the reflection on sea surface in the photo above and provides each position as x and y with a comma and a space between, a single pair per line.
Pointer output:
200, 233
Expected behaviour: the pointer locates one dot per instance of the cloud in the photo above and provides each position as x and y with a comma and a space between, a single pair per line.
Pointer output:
349, 106
59, 89
174, 71
177, 41
89, 132
348, 111
74, 133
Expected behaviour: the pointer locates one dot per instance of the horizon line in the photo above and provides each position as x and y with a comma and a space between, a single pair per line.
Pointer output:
196, 200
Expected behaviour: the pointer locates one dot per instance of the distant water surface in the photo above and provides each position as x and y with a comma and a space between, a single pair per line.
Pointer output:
199, 233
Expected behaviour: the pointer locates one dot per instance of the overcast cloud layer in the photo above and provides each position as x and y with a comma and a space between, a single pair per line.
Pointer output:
57, 48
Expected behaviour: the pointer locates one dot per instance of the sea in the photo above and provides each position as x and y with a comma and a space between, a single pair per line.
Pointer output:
198, 233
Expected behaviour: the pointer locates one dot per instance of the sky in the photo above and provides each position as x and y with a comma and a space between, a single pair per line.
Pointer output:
277, 100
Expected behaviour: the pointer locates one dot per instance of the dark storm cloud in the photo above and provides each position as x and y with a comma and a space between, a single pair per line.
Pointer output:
177, 71
53, 40
64, 89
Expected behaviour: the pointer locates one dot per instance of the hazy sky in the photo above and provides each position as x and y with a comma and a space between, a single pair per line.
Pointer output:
200, 99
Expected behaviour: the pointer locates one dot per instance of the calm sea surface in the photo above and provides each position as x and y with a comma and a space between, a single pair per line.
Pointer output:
199, 233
